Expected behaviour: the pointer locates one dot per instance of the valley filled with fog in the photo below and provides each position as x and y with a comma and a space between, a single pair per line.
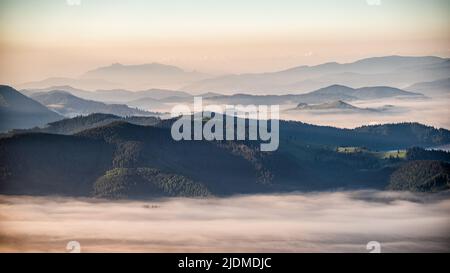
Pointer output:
431, 111
298, 222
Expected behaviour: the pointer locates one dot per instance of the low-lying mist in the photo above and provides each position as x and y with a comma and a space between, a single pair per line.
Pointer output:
313, 222
433, 112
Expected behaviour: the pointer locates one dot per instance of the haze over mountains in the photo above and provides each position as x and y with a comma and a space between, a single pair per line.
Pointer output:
159, 97
394, 71
69, 105
134, 77
18, 111
403, 104
112, 95
423, 81
154, 74
323, 95
21, 112
434, 88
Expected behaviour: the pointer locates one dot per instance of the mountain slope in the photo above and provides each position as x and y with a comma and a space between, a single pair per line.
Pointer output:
69, 105
111, 95
421, 176
43, 164
154, 147
18, 111
375, 137
435, 88
77, 124
145, 183
123, 160
64, 88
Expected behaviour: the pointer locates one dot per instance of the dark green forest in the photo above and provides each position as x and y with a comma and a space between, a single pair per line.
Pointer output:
106, 156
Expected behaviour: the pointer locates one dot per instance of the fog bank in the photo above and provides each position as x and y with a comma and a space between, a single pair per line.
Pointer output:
314, 222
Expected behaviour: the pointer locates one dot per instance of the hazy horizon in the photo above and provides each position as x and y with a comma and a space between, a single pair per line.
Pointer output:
66, 40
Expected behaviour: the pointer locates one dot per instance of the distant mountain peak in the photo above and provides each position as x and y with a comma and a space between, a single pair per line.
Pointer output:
337, 86
334, 105
143, 76
146, 67
334, 89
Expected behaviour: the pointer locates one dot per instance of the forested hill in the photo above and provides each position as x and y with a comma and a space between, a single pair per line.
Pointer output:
375, 137
124, 160
77, 124
378, 137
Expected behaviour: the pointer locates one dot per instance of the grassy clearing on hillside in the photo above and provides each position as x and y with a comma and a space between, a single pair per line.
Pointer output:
401, 154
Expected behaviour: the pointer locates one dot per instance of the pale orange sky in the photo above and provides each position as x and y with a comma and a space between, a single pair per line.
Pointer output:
49, 38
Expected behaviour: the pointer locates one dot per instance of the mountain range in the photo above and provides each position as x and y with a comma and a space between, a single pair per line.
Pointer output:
69, 105
323, 95
158, 98
134, 77
394, 71
64, 103
111, 95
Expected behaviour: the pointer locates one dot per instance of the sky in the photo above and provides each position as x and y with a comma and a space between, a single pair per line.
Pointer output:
64, 38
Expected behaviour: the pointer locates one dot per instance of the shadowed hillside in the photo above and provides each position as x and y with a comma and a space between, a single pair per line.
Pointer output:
19, 112
124, 160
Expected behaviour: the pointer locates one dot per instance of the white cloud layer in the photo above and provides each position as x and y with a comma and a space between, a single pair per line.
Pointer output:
319, 222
